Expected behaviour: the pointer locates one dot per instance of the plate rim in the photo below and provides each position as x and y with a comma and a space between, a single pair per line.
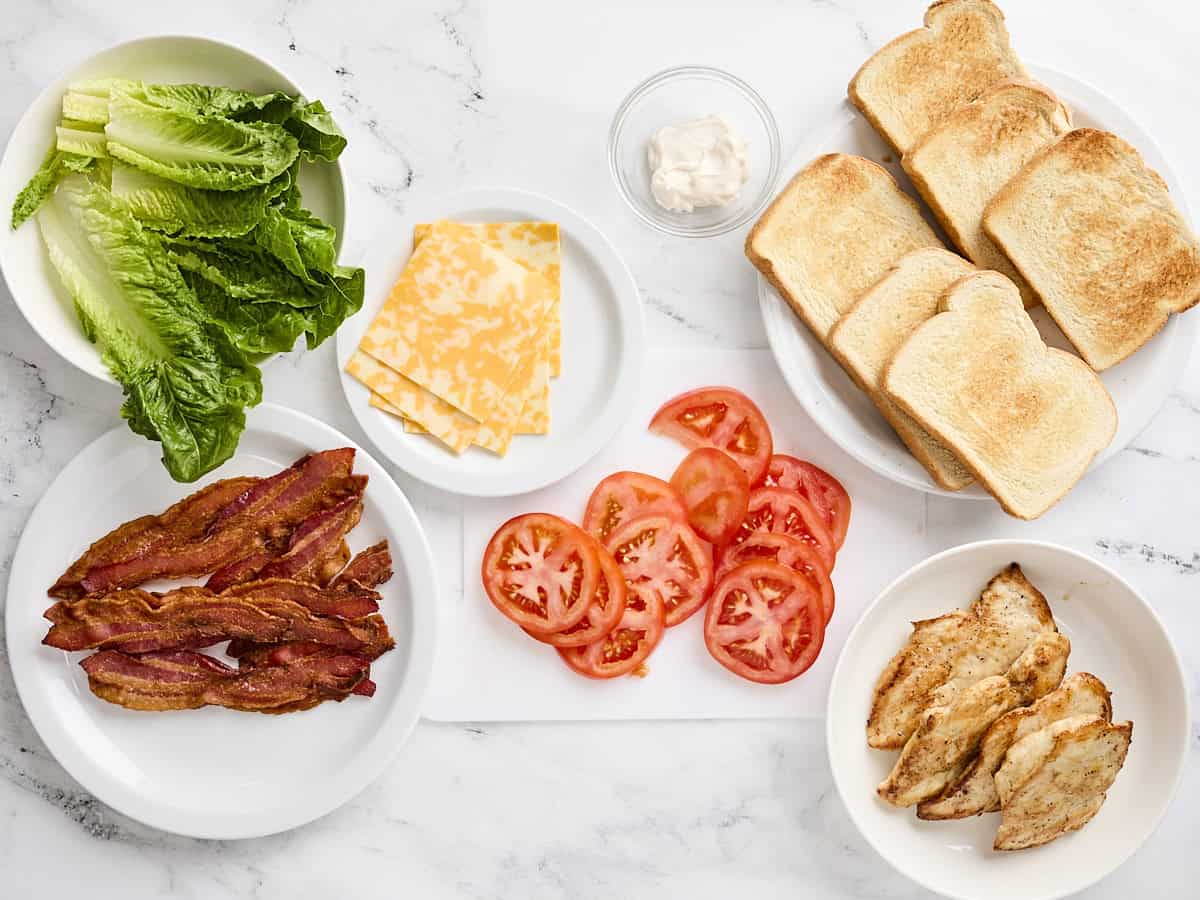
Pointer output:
93, 365
771, 305
631, 325
395, 727
1177, 672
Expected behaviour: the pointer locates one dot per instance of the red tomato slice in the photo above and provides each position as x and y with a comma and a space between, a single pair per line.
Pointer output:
602, 616
781, 511
787, 551
623, 496
715, 492
818, 487
718, 417
623, 651
661, 555
541, 571
765, 622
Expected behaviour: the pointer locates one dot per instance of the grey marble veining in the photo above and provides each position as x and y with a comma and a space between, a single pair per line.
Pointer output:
439, 95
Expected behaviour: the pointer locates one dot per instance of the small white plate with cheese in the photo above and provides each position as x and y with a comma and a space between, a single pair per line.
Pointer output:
602, 347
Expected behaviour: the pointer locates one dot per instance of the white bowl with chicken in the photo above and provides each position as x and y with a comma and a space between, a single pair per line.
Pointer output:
1026, 725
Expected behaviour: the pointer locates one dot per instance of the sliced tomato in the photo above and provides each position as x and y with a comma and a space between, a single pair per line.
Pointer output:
627, 646
787, 551
541, 571
602, 616
719, 417
818, 487
765, 622
715, 491
781, 511
623, 496
661, 555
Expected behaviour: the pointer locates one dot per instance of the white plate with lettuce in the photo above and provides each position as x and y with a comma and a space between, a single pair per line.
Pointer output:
184, 227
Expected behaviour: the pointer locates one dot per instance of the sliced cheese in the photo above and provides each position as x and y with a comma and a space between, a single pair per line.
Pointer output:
462, 322
535, 245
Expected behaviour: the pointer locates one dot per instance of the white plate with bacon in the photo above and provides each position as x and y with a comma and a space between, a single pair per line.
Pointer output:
266, 588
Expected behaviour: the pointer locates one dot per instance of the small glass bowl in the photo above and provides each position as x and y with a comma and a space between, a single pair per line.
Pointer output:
679, 95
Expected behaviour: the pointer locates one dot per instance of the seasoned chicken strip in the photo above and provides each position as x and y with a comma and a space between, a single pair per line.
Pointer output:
1054, 780
1082, 694
947, 654
948, 736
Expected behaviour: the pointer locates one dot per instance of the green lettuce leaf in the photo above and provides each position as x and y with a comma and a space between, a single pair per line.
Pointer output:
300, 241
177, 209
199, 151
186, 384
319, 136
53, 169
245, 271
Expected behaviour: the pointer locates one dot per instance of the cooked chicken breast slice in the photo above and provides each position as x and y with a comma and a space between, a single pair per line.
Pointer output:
948, 737
1054, 780
947, 654
1081, 694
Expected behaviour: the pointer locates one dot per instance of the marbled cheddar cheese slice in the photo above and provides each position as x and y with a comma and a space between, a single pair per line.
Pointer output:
535, 245
460, 322
451, 426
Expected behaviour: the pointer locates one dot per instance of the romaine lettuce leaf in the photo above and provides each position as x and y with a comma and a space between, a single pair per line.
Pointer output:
244, 270
186, 385
177, 209
199, 151
54, 168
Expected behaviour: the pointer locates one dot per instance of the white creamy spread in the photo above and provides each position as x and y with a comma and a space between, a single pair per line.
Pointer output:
696, 164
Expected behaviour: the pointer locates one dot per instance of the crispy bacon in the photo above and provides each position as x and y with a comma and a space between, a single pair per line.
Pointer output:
370, 568
314, 552
219, 524
186, 521
250, 655
189, 680
192, 617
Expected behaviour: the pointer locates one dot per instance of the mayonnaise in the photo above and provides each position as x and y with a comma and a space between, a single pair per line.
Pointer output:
696, 164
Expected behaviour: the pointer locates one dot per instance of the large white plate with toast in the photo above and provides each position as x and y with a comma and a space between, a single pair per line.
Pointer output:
1138, 386
1114, 634
212, 772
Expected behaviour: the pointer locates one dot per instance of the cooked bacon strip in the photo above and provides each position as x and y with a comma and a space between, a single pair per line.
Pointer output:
191, 617
261, 515
370, 568
188, 680
259, 653
347, 602
250, 655
313, 551
186, 521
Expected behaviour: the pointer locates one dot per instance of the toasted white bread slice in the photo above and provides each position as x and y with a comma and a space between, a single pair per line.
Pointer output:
1083, 694
1025, 418
913, 83
831, 233
1094, 232
1055, 780
961, 164
872, 330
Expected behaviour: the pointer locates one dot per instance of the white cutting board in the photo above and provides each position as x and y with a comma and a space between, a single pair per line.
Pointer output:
488, 670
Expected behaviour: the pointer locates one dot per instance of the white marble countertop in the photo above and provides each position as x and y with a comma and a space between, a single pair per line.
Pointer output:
438, 95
